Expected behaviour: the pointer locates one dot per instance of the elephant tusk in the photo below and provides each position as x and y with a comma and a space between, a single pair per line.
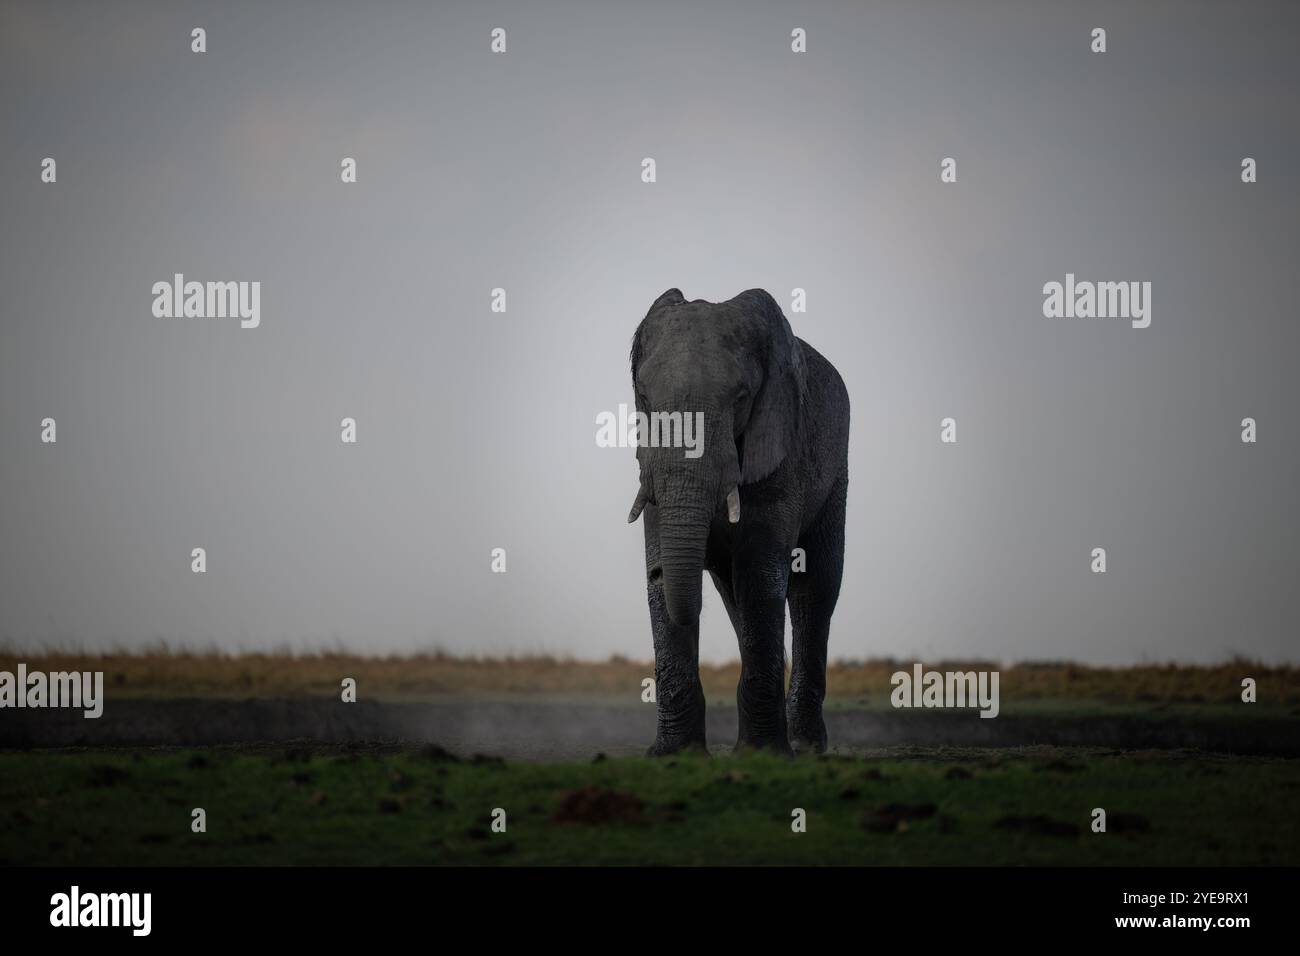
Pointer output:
642, 496
733, 505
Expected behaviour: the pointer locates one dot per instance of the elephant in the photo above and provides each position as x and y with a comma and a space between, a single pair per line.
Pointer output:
770, 476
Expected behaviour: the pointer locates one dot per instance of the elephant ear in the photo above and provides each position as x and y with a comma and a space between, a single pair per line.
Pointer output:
775, 418
670, 298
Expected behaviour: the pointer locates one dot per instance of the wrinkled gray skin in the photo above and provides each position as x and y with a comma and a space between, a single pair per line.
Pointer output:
775, 444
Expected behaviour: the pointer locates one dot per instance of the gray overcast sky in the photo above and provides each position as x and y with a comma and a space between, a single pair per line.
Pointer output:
522, 170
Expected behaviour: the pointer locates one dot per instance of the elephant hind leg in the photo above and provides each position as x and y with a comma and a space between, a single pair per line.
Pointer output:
813, 594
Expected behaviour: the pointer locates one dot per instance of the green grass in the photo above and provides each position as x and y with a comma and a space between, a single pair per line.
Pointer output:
387, 806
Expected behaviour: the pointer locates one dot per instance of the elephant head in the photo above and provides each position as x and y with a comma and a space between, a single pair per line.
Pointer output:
738, 365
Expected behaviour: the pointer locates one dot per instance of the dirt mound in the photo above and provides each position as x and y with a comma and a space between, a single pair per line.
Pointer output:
894, 817
1038, 825
598, 805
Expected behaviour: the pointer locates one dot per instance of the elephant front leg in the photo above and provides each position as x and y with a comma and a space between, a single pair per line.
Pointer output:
678, 693
679, 696
760, 696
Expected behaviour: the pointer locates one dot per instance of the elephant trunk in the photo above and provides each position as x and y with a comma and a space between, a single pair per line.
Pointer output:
683, 537
688, 493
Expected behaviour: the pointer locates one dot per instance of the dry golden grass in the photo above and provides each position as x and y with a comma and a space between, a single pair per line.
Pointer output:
166, 673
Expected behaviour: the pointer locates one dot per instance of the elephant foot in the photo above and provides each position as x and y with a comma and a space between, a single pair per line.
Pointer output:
673, 746
807, 733
776, 744
801, 746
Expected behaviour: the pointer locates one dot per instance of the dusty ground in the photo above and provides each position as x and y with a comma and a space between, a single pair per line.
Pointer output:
544, 708
553, 729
